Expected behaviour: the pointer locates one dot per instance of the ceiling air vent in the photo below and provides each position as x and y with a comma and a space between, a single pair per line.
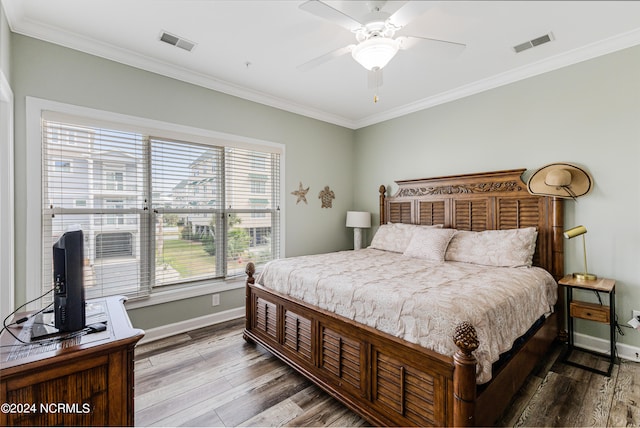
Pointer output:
533, 43
176, 41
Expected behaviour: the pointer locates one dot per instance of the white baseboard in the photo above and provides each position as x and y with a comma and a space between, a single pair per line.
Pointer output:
626, 352
191, 324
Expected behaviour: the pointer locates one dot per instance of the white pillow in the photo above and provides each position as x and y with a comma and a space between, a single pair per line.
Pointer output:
416, 226
430, 244
509, 247
388, 237
395, 237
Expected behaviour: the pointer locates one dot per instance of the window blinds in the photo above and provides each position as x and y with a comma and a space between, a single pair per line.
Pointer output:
156, 211
93, 179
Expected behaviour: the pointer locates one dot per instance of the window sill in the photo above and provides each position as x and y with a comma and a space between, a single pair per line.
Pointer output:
167, 296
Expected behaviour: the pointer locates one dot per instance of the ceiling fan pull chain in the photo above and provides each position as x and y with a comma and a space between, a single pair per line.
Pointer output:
375, 81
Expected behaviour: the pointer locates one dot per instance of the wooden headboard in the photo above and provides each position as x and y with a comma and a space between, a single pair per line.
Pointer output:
483, 201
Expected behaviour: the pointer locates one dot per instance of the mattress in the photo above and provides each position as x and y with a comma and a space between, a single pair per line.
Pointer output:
420, 301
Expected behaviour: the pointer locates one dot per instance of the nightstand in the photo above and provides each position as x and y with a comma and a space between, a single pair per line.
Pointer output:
592, 312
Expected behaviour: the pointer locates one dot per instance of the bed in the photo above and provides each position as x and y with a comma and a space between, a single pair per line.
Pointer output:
366, 350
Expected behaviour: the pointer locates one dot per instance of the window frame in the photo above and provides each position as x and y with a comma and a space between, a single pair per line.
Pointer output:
7, 220
33, 242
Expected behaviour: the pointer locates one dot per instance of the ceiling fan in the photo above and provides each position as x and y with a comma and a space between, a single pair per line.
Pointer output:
378, 35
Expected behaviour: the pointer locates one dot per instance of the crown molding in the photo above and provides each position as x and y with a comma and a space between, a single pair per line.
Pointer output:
124, 56
594, 50
21, 25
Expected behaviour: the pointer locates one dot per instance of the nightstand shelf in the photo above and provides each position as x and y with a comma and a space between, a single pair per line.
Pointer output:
591, 312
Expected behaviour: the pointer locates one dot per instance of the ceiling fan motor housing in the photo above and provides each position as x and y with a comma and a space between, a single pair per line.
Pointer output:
376, 28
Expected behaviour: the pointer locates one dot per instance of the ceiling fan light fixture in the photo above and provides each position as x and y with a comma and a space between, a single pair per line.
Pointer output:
375, 52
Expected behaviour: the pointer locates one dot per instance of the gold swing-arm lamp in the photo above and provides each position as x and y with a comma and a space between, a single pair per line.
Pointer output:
572, 233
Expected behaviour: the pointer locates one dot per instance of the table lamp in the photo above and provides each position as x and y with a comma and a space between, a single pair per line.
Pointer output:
358, 220
572, 233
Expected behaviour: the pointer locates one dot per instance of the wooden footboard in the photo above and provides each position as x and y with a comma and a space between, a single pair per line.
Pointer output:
386, 380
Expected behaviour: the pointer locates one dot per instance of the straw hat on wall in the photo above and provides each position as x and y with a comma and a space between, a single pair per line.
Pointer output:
561, 180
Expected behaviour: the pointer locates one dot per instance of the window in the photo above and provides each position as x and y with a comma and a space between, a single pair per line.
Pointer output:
156, 211
114, 245
258, 184
117, 205
62, 166
114, 177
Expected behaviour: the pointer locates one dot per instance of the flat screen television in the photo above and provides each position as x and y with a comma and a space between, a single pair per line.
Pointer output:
68, 282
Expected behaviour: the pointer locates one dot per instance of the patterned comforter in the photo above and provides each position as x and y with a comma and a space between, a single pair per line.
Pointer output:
420, 301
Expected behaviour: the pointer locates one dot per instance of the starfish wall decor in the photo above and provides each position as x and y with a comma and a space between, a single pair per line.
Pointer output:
301, 193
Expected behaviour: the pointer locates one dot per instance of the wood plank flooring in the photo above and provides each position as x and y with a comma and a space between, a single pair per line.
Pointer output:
212, 377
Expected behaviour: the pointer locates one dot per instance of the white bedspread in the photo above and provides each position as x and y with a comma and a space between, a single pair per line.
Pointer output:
420, 301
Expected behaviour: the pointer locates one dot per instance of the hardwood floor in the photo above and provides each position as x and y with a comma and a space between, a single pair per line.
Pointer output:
212, 377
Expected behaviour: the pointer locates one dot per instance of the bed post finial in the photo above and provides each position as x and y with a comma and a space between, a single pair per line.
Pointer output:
250, 270
466, 338
464, 375
382, 190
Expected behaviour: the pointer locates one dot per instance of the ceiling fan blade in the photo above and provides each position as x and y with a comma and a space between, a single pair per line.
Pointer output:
329, 13
409, 11
407, 42
325, 58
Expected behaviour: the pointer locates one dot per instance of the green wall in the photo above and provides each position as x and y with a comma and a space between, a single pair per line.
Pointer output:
588, 113
174, 312
317, 153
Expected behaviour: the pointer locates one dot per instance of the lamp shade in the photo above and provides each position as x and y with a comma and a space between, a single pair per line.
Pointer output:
358, 219
375, 52
572, 233
575, 231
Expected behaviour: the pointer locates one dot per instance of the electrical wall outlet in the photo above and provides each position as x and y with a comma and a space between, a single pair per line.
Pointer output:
215, 300
636, 315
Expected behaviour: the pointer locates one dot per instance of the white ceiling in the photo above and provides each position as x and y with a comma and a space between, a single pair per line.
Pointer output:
251, 49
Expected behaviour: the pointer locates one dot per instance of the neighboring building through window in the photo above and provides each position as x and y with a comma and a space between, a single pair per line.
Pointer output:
157, 211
